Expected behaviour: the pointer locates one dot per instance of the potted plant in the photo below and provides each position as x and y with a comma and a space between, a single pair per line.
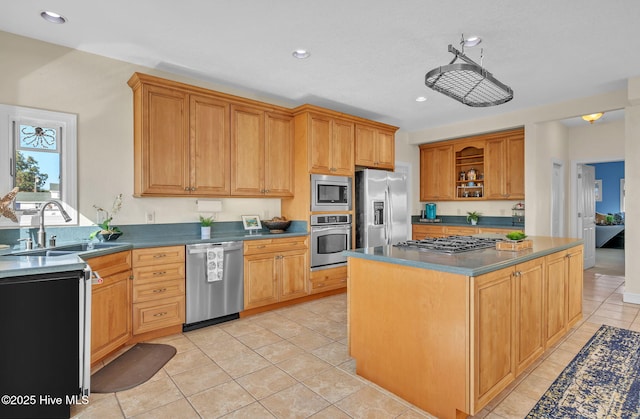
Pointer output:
473, 217
205, 227
107, 231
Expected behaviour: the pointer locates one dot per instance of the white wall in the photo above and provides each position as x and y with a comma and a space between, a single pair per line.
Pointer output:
40, 75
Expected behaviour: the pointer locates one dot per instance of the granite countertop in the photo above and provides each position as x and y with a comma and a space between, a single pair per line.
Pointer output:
21, 265
471, 263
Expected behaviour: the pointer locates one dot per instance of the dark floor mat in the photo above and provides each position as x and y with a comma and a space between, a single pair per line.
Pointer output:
132, 368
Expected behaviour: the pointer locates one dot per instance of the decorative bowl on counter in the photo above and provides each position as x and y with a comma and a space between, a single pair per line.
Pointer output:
277, 226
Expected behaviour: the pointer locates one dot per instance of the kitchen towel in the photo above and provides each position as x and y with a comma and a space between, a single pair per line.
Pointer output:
215, 263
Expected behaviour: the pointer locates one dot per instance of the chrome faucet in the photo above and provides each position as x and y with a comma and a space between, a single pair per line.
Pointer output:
42, 235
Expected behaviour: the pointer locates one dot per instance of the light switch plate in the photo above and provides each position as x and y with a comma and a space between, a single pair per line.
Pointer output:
150, 216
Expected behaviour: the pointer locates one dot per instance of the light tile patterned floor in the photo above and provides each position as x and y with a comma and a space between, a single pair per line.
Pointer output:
294, 363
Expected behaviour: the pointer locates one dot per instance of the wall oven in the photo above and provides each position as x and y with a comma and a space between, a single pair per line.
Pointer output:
330, 236
330, 193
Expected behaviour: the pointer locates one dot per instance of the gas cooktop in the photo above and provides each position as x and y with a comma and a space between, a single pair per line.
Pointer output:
451, 244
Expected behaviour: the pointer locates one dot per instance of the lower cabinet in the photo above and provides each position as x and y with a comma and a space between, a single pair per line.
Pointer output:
158, 288
421, 231
110, 303
328, 279
275, 270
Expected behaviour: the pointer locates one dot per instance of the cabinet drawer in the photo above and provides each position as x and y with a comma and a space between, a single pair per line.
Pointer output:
110, 264
157, 290
252, 247
159, 272
419, 232
461, 231
328, 279
154, 315
156, 255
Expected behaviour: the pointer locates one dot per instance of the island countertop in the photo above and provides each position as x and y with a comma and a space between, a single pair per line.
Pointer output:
470, 263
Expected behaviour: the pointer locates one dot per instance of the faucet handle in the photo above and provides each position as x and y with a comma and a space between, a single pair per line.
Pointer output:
28, 242
52, 241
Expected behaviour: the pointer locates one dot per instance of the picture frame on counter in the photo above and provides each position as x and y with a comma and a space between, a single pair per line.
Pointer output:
251, 222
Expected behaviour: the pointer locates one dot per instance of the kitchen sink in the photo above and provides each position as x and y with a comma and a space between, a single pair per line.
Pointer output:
64, 249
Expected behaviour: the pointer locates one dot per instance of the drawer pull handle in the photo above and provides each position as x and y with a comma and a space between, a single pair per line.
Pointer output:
164, 313
160, 273
160, 256
97, 279
159, 290
261, 246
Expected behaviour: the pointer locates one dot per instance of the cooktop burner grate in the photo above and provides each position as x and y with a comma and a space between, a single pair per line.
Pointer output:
450, 244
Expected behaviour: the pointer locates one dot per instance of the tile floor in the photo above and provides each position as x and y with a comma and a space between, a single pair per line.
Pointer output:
294, 363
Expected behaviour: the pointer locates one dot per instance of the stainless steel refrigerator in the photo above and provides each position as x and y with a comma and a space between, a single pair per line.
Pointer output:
381, 208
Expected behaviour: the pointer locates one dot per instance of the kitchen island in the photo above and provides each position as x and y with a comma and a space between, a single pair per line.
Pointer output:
448, 332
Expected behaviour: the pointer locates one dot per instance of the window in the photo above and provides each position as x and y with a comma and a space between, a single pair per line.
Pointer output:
41, 161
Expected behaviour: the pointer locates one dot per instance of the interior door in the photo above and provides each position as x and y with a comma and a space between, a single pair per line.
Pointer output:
587, 212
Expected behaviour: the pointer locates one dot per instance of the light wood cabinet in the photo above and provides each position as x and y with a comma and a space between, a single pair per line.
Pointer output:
261, 153
275, 270
420, 231
110, 304
530, 309
374, 147
328, 279
575, 269
158, 288
436, 172
330, 143
505, 167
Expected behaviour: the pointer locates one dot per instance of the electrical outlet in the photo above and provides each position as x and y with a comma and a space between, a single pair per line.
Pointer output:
150, 216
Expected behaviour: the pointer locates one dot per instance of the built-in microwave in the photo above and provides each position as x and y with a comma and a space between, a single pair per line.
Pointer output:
330, 193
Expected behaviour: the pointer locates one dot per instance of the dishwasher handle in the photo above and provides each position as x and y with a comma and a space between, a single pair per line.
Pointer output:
194, 249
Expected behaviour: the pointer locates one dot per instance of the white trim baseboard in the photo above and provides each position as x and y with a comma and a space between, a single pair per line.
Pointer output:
631, 298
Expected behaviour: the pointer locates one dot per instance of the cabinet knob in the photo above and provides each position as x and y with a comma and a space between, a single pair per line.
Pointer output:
186, 188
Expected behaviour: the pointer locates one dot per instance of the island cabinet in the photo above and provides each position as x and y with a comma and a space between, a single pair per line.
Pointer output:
261, 152
375, 147
563, 292
110, 303
275, 270
450, 342
158, 289
329, 141
436, 172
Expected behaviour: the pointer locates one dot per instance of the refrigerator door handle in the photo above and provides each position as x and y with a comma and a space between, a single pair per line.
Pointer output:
387, 215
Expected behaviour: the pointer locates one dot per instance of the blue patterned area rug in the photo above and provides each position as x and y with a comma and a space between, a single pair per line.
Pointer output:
602, 381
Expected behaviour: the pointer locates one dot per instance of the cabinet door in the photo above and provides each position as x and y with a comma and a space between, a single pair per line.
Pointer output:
495, 169
575, 274
555, 297
110, 314
293, 274
163, 155
342, 148
319, 144
515, 166
436, 173
209, 146
494, 322
247, 151
365, 146
529, 285
386, 150
260, 280
278, 155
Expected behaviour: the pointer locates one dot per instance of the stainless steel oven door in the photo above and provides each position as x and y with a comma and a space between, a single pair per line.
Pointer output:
327, 244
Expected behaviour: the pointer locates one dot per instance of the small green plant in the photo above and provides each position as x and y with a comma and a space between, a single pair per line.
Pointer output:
473, 216
516, 235
206, 221
105, 227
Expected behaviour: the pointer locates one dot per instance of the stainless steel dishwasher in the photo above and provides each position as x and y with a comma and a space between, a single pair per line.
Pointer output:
212, 299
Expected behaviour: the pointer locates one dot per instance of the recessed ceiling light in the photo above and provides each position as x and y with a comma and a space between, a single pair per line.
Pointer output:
301, 54
471, 41
421, 99
53, 17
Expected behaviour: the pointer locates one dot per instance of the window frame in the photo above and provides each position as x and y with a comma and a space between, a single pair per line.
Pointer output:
68, 156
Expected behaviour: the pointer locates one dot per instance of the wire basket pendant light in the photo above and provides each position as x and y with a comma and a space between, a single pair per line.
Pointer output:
468, 82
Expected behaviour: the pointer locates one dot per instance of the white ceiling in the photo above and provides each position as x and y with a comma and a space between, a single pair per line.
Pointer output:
368, 57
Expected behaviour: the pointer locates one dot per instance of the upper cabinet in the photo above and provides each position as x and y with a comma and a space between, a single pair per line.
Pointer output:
484, 167
193, 141
375, 147
330, 143
261, 153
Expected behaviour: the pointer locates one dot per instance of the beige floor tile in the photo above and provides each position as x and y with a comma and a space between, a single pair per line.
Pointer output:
416, 414
185, 361
303, 366
243, 364
208, 335
334, 353
294, 402
148, 396
265, 382
548, 369
221, 400
179, 409
561, 357
279, 351
534, 386
252, 411
199, 379
99, 406
515, 406
309, 340
180, 342
330, 412
370, 403
334, 384
240, 327
220, 351
260, 338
